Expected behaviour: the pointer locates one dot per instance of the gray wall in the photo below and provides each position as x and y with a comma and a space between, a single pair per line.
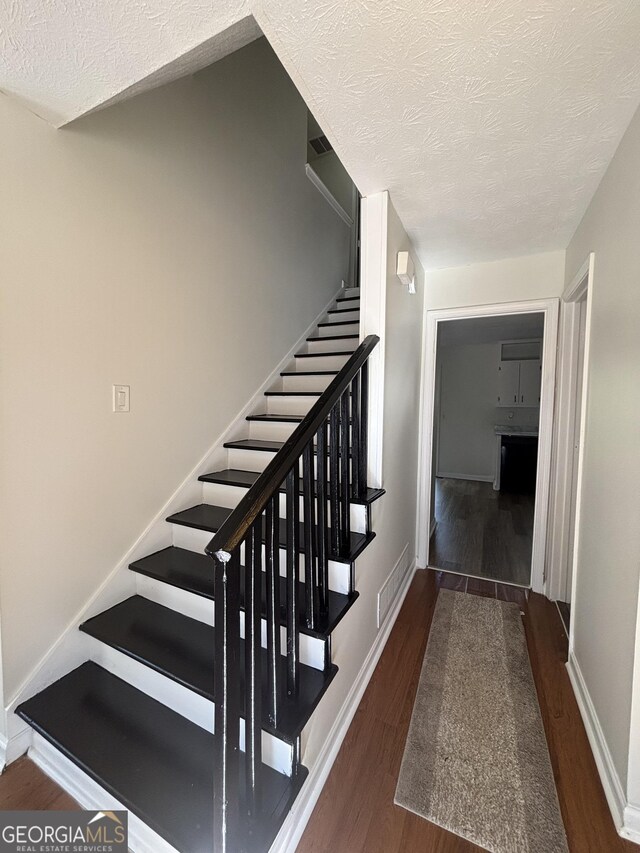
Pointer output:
606, 598
173, 243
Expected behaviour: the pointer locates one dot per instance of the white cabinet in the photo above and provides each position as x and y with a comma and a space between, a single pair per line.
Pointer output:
519, 382
530, 381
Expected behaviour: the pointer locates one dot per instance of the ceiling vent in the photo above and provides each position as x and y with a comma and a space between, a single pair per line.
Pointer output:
321, 144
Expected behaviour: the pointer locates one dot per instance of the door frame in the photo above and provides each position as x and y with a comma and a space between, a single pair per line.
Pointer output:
580, 287
550, 309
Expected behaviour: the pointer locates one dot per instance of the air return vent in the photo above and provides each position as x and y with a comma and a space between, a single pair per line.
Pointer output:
391, 587
321, 144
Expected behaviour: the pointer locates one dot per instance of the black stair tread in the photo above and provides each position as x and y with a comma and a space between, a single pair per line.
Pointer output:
210, 518
331, 323
315, 338
317, 354
256, 444
184, 650
292, 419
309, 373
154, 761
347, 298
192, 572
246, 479
346, 310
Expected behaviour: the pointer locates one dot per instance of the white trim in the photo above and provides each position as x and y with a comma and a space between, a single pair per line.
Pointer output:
90, 795
477, 478
549, 307
373, 309
291, 831
631, 823
11, 748
71, 648
613, 789
320, 185
583, 431
560, 510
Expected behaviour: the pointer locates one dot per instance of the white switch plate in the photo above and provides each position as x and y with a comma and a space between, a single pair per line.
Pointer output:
121, 398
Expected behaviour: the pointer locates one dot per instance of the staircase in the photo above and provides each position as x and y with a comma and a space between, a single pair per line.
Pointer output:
230, 631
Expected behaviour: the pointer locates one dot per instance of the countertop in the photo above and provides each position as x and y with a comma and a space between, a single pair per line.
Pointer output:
508, 429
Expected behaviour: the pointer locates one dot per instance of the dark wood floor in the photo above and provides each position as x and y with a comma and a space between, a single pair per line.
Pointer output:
482, 532
355, 811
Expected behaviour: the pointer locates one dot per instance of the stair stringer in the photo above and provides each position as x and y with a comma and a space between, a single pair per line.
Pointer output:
72, 649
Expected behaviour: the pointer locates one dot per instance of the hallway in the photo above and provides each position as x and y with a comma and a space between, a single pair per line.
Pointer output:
355, 811
482, 532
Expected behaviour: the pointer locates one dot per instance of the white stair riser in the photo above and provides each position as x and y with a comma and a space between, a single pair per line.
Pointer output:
296, 404
350, 329
341, 345
323, 362
271, 430
306, 383
218, 494
275, 752
248, 460
312, 649
343, 315
350, 291
197, 540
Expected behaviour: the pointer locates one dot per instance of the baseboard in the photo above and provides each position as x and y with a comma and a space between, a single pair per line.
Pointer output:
291, 831
631, 825
613, 789
479, 478
12, 747
92, 796
69, 650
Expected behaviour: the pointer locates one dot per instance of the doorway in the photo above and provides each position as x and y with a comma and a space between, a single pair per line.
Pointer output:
487, 414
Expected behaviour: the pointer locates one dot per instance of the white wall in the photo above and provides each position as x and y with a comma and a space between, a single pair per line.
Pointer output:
147, 244
605, 604
467, 410
394, 515
512, 280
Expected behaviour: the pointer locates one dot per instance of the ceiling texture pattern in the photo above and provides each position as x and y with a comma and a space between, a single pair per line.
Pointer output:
490, 122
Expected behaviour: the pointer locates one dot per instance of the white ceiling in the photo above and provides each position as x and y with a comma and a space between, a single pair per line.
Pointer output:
490, 330
491, 122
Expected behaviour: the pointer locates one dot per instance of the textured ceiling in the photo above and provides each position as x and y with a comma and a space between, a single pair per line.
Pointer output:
491, 122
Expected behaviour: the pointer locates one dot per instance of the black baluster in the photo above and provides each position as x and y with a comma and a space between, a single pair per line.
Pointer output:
355, 436
253, 660
322, 528
293, 557
226, 586
272, 557
345, 505
364, 416
334, 479
308, 498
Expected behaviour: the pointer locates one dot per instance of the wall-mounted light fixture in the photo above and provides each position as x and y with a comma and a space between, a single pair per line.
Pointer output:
406, 271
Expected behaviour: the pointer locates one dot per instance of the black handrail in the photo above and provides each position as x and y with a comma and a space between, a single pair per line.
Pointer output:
237, 525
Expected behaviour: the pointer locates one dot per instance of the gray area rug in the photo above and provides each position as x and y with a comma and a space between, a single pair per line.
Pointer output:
476, 759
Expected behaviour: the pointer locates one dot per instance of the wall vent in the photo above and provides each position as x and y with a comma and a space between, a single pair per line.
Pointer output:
321, 144
390, 588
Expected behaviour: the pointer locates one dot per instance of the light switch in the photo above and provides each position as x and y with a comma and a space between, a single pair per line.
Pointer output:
121, 398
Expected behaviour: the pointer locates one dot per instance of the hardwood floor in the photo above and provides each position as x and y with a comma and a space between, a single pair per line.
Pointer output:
482, 532
355, 811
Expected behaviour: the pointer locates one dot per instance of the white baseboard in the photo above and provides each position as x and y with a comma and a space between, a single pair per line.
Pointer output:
480, 478
613, 789
70, 649
631, 826
291, 831
12, 747
92, 796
